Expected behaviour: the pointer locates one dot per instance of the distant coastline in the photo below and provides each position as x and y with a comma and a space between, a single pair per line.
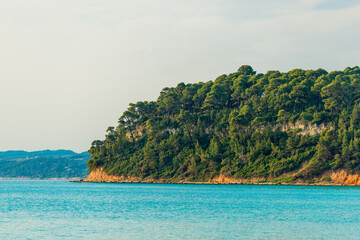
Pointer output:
46, 164
25, 178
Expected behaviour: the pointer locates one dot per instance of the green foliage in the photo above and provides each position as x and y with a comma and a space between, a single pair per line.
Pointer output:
234, 126
246, 70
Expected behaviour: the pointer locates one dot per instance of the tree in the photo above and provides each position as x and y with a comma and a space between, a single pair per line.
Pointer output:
216, 98
341, 93
186, 120
170, 103
129, 119
238, 89
201, 94
246, 70
299, 95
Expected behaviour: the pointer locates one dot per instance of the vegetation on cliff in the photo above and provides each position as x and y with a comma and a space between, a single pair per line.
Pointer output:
240, 125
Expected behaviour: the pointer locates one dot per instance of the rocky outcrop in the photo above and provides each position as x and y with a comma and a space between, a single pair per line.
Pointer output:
221, 179
306, 127
139, 131
344, 178
171, 130
99, 175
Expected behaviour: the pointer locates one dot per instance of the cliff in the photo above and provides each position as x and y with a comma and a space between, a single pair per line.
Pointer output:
343, 178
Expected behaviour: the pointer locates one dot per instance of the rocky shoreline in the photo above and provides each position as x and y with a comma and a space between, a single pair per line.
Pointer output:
330, 178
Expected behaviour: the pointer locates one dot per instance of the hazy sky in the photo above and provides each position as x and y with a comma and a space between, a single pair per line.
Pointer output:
69, 68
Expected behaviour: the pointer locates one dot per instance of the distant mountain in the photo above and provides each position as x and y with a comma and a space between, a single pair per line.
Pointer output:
45, 153
43, 164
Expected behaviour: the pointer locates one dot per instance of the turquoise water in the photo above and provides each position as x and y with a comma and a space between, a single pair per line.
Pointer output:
63, 210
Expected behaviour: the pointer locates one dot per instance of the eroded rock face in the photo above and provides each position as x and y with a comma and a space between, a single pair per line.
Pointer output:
221, 179
344, 178
307, 128
137, 133
99, 175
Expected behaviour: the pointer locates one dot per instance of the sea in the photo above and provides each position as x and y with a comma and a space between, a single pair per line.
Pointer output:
59, 209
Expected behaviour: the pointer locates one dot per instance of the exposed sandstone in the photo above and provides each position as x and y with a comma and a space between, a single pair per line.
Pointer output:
99, 175
344, 178
137, 133
221, 179
306, 127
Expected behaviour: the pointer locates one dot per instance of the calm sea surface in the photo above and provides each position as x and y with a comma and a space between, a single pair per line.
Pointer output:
63, 210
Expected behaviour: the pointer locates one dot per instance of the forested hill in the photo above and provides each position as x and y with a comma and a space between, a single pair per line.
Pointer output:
293, 125
43, 164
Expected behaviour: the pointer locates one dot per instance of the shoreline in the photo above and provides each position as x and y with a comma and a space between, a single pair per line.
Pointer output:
339, 178
81, 180
245, 184
227, 183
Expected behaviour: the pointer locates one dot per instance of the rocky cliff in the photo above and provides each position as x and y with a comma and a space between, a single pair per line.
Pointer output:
343, 178
99, 175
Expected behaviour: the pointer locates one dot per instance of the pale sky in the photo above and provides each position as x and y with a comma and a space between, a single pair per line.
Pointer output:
69, 68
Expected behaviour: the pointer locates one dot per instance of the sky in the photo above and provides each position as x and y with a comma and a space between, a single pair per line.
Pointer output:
69, 68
